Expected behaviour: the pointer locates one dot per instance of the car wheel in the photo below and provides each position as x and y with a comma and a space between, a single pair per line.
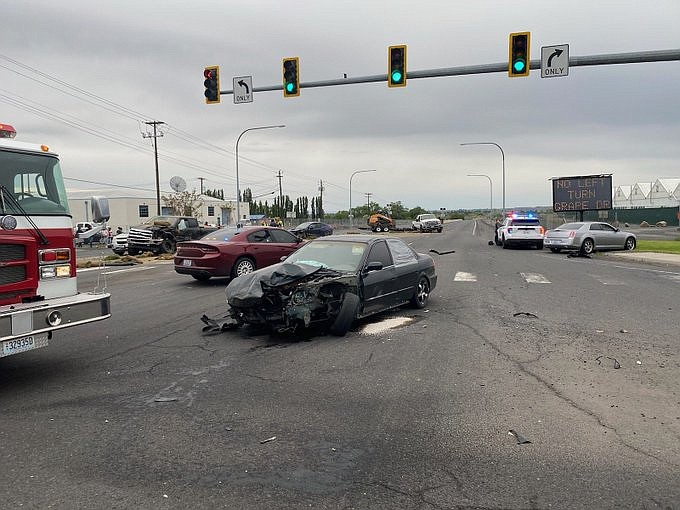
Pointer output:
630, 244
588, 247
555, 250
439, 230
242, 266
539, 245
422, 293
201, 277
378, 229
386, 229
343, 321
168, 245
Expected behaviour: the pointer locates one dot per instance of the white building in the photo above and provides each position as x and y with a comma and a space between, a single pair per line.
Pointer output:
131, 207
664, 192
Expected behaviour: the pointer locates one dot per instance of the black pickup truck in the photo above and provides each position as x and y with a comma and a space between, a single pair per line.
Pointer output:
161, 234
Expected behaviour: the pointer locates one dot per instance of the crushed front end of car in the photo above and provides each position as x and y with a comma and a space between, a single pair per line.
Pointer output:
286, 297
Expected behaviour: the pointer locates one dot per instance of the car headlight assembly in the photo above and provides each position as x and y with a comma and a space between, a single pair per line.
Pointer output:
302, 297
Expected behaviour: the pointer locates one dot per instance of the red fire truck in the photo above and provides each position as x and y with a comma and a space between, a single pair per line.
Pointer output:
38, 290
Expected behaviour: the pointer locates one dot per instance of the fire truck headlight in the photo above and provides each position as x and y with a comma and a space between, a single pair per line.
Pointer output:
54, 318
48, 272
8, 222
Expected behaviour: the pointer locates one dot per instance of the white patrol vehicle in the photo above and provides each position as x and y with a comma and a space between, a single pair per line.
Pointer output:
520, 229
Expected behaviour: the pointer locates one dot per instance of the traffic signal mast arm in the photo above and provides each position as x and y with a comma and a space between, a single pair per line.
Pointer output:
501, 67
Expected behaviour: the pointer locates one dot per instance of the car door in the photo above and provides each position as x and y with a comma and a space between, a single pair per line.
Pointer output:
610, 237
379, 286
406, 269
262, 247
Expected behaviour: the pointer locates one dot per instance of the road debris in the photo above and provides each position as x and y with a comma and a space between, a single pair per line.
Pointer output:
165, 399
442, 252
617, 365
520, 439
527, 314
268, 440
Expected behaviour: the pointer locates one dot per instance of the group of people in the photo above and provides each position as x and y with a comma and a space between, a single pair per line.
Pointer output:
273, 222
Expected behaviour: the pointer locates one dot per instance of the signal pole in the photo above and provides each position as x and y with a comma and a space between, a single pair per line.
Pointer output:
279, 175
155, 135
320, 204
201, 179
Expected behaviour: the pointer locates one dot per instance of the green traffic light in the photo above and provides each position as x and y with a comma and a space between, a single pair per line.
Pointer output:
518, 66
290, 87
396, 76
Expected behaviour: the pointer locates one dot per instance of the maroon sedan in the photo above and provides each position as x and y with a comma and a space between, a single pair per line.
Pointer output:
233, 252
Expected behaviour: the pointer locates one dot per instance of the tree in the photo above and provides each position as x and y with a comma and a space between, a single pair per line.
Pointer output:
183, 203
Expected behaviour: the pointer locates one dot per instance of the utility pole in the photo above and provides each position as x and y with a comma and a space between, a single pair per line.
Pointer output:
155, 135
281, 211
368, 202
319, 206
201, 179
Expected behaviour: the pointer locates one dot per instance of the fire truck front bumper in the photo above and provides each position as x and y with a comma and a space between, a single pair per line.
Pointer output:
39, 319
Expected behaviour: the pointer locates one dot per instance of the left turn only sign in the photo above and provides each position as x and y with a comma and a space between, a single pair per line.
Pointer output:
243, 89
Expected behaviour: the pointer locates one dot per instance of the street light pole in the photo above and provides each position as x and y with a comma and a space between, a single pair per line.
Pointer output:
490, 188
503, 162
351, 217
238, 189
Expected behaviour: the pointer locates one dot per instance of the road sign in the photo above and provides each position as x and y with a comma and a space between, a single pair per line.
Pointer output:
555, 61
243, 89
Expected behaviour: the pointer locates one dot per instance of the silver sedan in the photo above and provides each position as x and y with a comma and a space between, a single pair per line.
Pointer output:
587, 237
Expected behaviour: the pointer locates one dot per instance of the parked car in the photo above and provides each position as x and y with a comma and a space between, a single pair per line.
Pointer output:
312, 229
119, 244
588, 237
234, 251
332, 281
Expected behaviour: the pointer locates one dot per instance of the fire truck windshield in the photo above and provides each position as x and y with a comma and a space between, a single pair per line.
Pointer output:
35, 181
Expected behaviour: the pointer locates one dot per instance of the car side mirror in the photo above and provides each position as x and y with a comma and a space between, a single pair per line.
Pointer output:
373, 266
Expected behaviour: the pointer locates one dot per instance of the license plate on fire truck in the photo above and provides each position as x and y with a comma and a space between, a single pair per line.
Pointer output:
23, 344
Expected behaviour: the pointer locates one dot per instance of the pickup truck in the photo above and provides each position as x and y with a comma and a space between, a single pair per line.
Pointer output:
427, 223
517, 230
161, 234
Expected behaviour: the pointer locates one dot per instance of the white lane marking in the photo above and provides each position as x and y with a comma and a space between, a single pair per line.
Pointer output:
474, 228
608, 281
535, 278
464, 277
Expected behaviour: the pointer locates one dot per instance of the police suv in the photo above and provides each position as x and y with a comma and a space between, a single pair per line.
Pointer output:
520, 229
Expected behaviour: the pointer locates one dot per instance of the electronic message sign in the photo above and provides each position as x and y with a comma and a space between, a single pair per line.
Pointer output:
584, 193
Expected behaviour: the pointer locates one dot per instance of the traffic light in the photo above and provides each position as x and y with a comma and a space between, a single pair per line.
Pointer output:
518, 54
396, 66
291, 77
212, 84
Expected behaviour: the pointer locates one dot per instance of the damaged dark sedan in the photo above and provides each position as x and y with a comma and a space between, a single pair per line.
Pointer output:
330, 282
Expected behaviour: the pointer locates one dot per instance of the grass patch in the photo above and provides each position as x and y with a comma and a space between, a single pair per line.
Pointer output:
659, 246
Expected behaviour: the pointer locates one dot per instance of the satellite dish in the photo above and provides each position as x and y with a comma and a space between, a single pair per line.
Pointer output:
178, 184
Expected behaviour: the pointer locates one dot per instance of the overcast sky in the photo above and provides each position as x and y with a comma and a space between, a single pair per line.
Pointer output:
83, 77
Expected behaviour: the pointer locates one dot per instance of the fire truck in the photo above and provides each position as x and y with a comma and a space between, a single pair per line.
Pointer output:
38, 285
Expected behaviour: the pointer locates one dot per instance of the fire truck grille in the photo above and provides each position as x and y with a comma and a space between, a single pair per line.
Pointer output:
12, 274
9, 252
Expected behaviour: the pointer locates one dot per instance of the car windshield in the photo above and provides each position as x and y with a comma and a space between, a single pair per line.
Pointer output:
223, 234
338, 255
303, 225
160, 220
428, 217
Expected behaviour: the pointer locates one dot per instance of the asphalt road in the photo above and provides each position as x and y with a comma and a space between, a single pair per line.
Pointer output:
412, 409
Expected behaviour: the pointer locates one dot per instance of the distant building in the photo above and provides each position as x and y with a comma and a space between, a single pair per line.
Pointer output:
131, 207
664, 192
